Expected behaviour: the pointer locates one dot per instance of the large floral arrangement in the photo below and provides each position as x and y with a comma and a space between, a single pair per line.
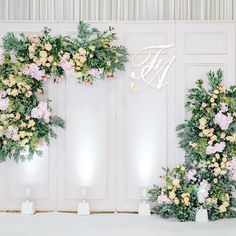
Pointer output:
27, 62
208, 175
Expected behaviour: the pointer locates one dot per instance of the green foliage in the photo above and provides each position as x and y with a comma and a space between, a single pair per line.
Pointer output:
198, 136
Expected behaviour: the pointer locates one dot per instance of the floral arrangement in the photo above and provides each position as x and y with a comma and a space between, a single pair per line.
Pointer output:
208, 176
27, 62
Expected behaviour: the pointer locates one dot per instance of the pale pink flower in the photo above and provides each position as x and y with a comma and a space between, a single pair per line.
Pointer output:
163, 199
67, 67
222, 120
203, 191
41, 112
223, 107
4, 102
176, 182
11, 131
190, 175
218, 147
34, 71
97, 73
3, 94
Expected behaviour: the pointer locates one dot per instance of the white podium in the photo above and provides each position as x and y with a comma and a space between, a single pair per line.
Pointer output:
83, 208
27, 208
201, 215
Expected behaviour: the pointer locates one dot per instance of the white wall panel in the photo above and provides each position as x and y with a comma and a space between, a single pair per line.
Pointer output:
200, 48
116, 140
143, 117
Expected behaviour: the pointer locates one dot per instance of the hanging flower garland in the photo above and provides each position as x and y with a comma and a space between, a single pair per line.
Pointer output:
208, 175
27, 62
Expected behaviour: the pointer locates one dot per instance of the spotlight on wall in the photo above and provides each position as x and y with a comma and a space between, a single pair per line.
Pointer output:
83, 206
144, 206
27, 207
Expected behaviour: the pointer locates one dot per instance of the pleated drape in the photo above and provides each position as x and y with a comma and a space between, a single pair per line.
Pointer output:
117, 9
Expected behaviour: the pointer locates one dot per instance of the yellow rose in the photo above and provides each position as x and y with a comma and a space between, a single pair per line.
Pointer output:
82, 60
208, 200
232, 138
186, 201
222, 135
176, 183
222, 208
176, 201
210, 142
48, 47
191, 106
82, 51
217, 171
224, 159
213, 138
29, 94
14, 92
92, 48
31, 123
50, 59
222, 165
43, 60
205, 132
31, 48
227, 196
22, 134
183, 195
43, 54
79, 74
226, 204
212, 100
201, 134
216, 164
203, 121
172, 195
6, 82
201, 126
16, 137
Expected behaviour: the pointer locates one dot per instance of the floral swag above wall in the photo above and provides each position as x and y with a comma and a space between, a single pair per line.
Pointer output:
28, 62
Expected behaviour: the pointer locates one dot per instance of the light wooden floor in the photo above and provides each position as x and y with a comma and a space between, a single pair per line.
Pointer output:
65, 224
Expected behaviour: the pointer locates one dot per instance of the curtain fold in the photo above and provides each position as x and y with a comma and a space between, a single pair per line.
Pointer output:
117, 9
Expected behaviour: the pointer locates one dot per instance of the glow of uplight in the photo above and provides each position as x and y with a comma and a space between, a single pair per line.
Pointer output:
145, 159
30, 171
85, 164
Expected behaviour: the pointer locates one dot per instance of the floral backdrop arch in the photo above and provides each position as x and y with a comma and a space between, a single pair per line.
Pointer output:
28, 62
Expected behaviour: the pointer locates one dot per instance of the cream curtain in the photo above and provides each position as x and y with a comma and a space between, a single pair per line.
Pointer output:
117, 9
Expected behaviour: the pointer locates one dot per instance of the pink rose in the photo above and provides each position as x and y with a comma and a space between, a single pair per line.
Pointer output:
163, 199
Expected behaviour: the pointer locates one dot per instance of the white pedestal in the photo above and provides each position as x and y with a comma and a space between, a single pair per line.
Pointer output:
201, 215
27, 208
83, 208
144, 209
